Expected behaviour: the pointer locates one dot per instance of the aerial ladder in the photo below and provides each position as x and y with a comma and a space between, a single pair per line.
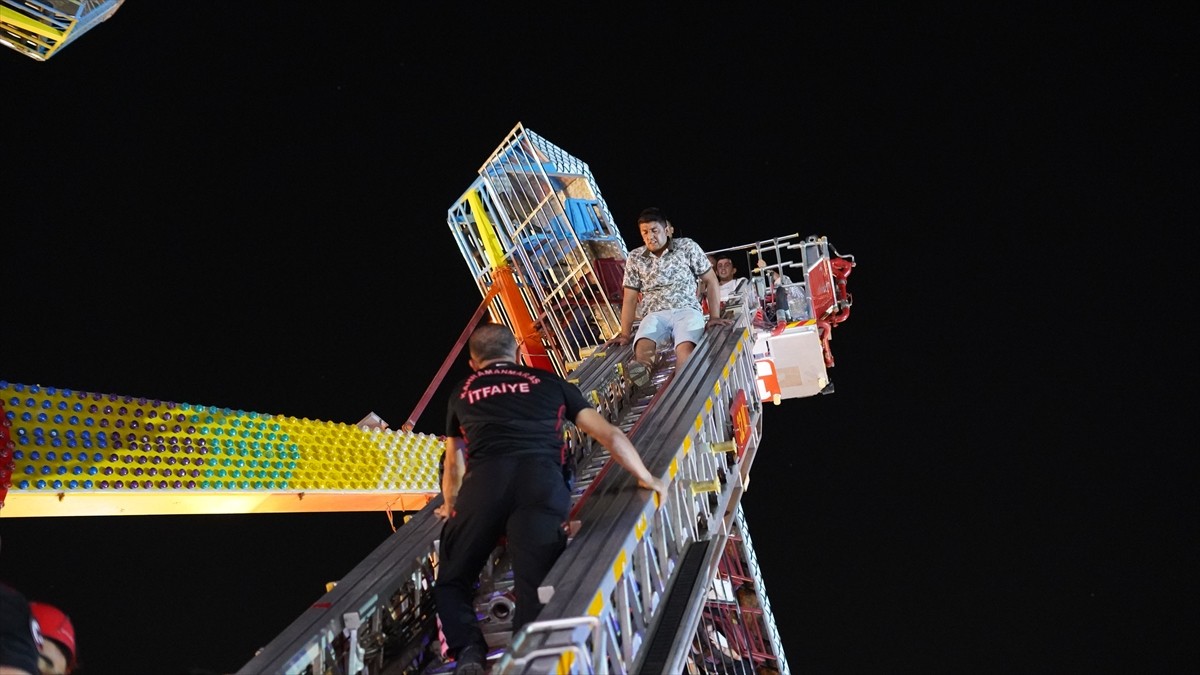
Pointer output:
646, 584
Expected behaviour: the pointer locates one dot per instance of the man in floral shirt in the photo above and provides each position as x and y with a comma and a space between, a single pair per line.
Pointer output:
664, 272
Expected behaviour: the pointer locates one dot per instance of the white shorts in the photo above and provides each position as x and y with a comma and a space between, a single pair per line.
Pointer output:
684, 325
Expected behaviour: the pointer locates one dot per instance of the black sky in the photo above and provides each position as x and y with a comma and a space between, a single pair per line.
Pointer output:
247, 208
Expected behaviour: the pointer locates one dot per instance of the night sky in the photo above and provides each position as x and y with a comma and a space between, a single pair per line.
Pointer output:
247, 208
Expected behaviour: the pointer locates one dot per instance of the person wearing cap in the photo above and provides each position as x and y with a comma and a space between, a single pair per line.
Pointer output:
665, 272
56, 653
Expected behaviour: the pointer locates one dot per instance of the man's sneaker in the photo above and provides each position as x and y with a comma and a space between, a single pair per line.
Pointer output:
638, 373
471, 660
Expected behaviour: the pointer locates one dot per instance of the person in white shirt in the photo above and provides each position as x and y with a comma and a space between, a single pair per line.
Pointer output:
731, 284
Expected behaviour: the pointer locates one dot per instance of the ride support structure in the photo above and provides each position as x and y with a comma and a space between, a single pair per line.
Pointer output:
40, 29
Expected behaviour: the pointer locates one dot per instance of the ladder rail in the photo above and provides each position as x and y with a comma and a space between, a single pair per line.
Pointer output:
633, 540
394, 580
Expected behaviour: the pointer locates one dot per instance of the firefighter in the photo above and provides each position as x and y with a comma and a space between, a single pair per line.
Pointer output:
503, 476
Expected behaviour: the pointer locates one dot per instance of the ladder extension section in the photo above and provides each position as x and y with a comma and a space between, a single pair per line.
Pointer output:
610, 588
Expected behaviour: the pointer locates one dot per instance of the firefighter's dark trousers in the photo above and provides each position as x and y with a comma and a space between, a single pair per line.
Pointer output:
523, 499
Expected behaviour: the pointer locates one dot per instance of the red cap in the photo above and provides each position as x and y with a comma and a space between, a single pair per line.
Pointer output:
56, 626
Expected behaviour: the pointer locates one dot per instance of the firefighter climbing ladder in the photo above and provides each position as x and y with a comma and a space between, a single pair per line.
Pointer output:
645, 585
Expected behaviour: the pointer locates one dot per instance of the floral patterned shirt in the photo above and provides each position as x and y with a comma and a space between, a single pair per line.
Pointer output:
669, 281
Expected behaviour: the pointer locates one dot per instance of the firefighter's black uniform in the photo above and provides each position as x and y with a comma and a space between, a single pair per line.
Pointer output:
511, 418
